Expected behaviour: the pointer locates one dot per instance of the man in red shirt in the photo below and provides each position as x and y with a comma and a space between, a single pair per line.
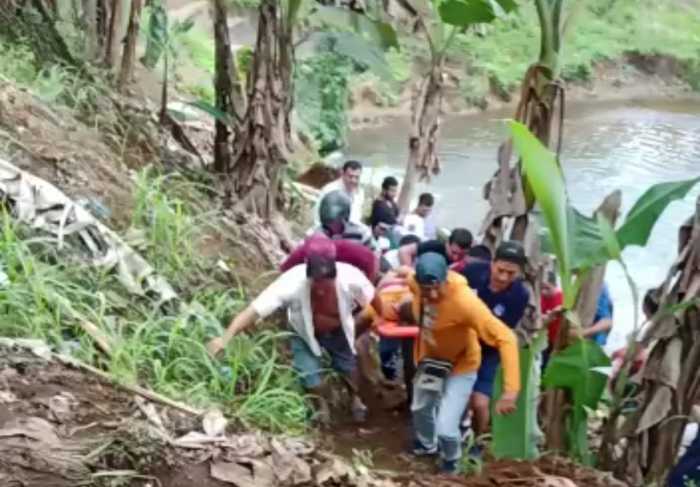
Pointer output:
348, 251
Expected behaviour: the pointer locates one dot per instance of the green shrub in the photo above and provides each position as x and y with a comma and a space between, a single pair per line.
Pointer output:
49, 294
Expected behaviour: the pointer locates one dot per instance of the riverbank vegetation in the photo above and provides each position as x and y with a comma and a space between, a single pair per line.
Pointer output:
203, 187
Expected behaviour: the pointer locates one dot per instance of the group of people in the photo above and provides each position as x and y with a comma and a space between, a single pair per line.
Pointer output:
351, 276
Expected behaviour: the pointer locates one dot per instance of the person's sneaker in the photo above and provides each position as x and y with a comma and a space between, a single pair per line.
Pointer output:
359, 413
449, 467
476, 450
420, 451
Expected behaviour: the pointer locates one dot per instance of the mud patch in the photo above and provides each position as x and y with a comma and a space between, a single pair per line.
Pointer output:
60, 427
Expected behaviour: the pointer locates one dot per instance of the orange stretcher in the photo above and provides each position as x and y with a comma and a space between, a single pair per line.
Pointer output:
392, 329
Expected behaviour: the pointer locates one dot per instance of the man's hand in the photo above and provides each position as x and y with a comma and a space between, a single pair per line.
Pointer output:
215, 346
405, 312
506, 404
576, 333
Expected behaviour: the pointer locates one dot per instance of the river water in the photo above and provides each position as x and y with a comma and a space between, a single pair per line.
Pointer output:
607, 146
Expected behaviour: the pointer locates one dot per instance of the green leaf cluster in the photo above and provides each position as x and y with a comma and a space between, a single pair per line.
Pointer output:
581, 243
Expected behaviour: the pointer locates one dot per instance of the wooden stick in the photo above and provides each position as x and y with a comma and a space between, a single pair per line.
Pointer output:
148, 394
98, 335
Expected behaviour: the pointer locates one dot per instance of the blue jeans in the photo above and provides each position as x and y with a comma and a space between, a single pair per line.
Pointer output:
309, 366
436, 416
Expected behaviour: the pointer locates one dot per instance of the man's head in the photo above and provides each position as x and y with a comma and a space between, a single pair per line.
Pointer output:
480, 252
384, 220
458, 244
431, 274
334, 212
549, 284
390, 187
320, 258
425, 205
351, 174
507, 265
409, 239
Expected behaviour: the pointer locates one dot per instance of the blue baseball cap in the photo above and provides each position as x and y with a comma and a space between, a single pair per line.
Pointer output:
431, 268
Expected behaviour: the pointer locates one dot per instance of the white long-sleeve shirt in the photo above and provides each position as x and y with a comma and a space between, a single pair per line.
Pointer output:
292, 290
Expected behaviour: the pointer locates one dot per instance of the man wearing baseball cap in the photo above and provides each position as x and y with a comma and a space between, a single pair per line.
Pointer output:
452, 322
322, 297
499, 286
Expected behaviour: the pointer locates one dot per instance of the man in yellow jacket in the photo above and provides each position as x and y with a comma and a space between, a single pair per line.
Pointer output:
452, 320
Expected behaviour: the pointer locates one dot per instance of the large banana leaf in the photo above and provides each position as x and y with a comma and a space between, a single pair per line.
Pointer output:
382, 34
465, 13
646, 211
544, 175
515, 435
354, 47
157, 39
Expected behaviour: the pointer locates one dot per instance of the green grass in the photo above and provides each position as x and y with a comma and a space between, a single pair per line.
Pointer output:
163, 348
52, 83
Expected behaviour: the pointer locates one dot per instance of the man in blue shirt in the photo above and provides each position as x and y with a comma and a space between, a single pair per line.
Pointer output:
499, 285
602, 321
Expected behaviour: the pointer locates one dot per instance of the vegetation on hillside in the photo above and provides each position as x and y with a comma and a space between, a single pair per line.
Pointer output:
262, 98
49, 295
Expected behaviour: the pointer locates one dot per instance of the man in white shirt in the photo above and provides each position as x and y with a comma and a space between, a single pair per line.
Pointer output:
348, 184
415, 223
321, 297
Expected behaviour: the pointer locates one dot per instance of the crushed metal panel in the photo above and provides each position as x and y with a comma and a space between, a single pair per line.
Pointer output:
43, 206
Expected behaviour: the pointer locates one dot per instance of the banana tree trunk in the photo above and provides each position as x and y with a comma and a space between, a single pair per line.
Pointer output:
127, 68
541, 109
91, 28
113, 32
223, 87
263, 144
670, 381
425, 127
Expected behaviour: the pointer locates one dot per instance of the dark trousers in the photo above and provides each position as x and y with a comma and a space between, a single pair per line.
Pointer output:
409, 367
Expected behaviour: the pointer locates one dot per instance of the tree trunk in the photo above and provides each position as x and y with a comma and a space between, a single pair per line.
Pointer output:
422, 141
223, 87
91, 28
127, 69
263, 146
508, 193
113, 33
670, 381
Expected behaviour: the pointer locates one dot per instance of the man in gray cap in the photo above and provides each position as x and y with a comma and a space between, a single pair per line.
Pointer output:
452, 322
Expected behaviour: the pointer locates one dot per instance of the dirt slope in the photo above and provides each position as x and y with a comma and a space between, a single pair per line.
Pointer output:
61, 426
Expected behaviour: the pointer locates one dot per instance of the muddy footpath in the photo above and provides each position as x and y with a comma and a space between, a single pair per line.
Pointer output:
62, 425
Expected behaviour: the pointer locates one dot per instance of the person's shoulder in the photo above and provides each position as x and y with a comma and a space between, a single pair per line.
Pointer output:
430, 245
349, 274
476, 268
520, 292
332, 186
460, 294
456, 279
295, 273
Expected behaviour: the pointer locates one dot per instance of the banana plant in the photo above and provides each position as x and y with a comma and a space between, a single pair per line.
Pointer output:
161, 43
439, 24
581, 243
